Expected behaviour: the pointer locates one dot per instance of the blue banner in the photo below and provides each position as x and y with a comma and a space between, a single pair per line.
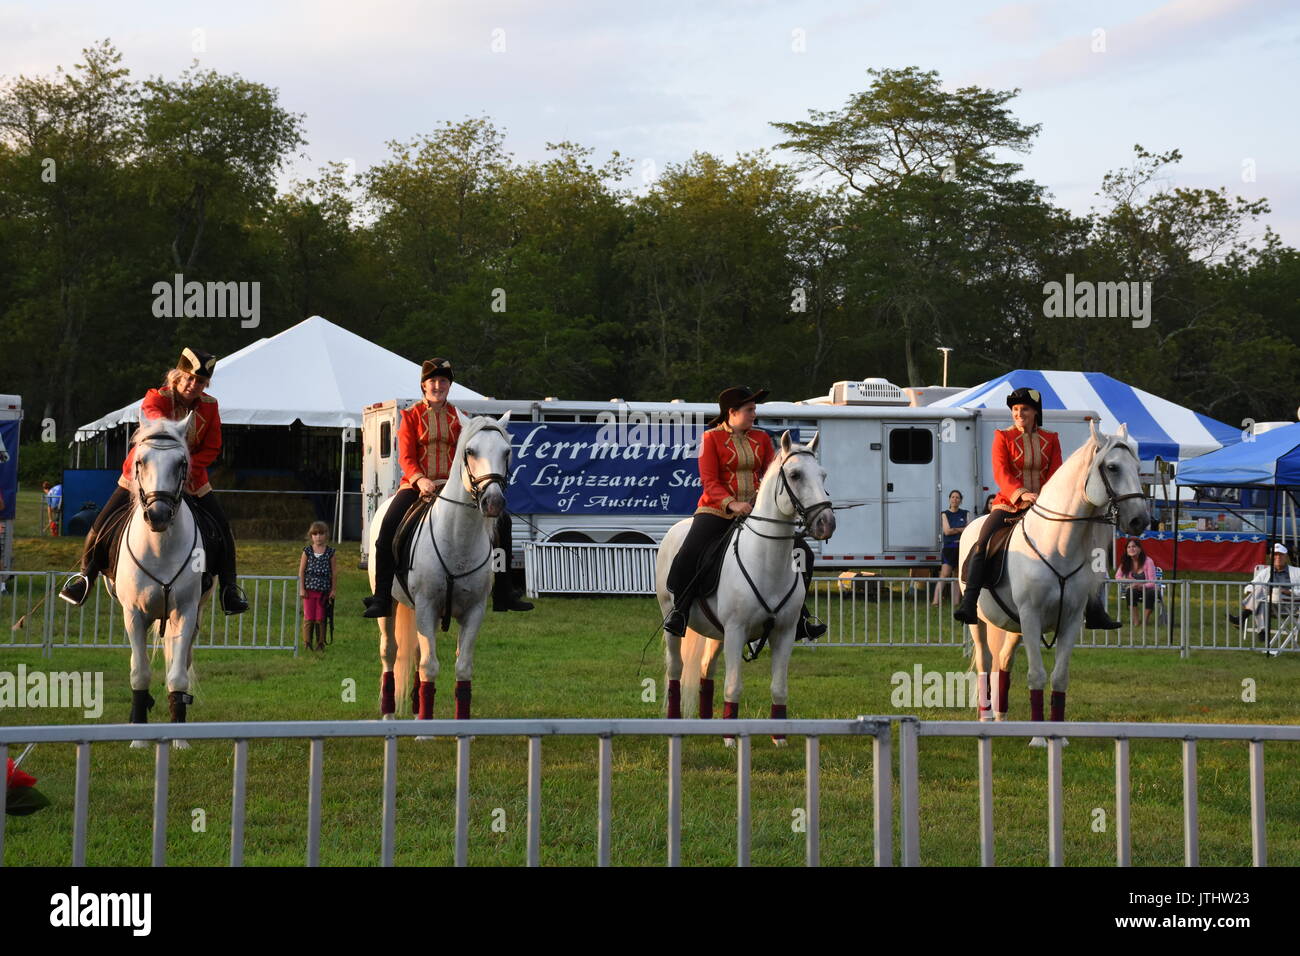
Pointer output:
9, 469
625, 468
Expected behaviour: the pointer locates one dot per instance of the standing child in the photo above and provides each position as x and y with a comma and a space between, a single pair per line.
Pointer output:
317, 581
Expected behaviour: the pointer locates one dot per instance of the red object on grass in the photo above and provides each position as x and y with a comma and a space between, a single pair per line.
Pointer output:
16, 777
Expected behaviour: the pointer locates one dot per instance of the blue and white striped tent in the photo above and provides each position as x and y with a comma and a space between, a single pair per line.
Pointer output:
1159, 426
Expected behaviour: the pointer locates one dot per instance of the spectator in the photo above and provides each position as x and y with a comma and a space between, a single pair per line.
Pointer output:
1136, 566
952, 520
988, 503
317, 582
1259, 593
53, 497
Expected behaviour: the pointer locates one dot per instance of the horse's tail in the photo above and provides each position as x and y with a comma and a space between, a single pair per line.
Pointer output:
692, 658
408, 651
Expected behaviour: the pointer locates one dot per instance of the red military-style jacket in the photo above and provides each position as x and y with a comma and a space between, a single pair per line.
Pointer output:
204, 437
731, 467
1022, 462
426, 442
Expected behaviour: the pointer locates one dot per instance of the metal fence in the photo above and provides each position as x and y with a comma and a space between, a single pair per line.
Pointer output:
911, 730
604, 731
317, 732
270, 623
561, 568
1186, 615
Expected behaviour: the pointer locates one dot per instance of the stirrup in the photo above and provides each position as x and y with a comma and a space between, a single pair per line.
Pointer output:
806, 630
70, 592
1100, 619
379, 607
675, 622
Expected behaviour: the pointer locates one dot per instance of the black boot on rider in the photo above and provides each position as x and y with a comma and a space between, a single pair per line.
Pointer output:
1096, 618
806, 630
675, 622
233, 600
504, 597
77, 588
968, 611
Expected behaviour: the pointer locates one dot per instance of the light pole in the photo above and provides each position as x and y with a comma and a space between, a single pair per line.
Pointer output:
945, 350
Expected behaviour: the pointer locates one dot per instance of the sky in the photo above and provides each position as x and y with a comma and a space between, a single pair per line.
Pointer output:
659, 81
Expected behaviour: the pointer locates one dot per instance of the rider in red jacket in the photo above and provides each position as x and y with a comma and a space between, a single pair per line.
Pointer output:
1024, 458
183, 394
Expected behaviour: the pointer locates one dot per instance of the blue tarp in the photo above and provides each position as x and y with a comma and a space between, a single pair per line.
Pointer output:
1158, 426
1271, 459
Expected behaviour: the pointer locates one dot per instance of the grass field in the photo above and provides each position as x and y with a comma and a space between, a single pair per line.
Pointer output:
580, 658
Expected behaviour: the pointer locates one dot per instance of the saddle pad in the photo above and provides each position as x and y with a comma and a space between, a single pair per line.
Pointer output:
709, 571
995, 554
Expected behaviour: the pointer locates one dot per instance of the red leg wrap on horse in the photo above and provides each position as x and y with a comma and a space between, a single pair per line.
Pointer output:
1004, 691
1035, 705
424, 706
387, 698
706, 700
1058, 705
983, 703
462, 700
415, 694
778, 713
730, 711
674, 699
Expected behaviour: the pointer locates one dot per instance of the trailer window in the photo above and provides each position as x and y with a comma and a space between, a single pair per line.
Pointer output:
911, 446
385, 439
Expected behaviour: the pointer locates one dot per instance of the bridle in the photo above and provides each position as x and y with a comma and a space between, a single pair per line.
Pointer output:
479, 484
806, 515
170, 498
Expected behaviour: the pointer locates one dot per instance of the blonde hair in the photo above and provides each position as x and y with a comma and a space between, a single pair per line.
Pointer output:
320, 526
172, 377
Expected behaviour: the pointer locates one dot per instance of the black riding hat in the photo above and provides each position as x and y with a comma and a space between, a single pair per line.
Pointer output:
1028, 396
735, 397
436, 366
197, 362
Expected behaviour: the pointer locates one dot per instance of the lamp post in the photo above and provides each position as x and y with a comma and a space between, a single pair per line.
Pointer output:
945, 350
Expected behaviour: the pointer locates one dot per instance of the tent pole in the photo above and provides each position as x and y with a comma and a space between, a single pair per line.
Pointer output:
1178, 500
343, 457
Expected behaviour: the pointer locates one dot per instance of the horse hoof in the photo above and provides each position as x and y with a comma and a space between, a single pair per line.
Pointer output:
387, 716
139, 744
180, 745
780, 742
425, 737
1038, 742
729, 741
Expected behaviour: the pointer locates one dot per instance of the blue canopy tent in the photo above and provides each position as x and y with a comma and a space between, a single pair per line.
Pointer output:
1268, 460
1162, 429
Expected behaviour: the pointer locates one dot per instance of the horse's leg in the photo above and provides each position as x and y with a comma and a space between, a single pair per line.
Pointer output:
1032, 632
1003, 652
137, 628
982, 659
733, 641
387, 658
426, 629
179, 643
1061, 668
708, 663
782, 648
673, 675
465, 640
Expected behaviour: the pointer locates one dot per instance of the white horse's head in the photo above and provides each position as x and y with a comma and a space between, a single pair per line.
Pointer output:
484, 453
162, 463
1112, 478
801, 487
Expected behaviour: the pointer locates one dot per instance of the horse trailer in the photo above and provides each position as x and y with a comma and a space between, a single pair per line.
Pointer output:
889, 458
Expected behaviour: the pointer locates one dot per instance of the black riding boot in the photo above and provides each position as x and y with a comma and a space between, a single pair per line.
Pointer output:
77, 588
675, 622
968, 611
1096, 618
806, 630
233, 600
503, 594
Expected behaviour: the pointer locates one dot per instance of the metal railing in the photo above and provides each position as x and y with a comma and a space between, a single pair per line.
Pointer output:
911, 730
271, 622
1186, 615
317, 732
559, 568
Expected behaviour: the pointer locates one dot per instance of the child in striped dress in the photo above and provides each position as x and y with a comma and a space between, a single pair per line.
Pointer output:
317, 582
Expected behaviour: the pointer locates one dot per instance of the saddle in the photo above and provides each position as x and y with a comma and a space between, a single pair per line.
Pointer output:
108, 543
404, 538
995, 554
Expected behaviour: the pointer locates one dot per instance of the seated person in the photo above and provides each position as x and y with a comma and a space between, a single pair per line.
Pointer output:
1259, 592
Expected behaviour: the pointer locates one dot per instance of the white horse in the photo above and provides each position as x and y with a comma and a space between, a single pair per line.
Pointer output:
1056, 556
160, 563
451, 573
760, 590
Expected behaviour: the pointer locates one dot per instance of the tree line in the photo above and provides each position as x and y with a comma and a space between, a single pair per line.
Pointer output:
900, 224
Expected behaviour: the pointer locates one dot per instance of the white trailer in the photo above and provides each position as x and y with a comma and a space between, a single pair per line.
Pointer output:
895, 460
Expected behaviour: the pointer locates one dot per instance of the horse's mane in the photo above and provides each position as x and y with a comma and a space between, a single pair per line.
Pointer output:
774, 466
477, 424
161, 430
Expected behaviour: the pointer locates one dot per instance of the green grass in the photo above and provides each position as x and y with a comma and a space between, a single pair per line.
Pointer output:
579, 658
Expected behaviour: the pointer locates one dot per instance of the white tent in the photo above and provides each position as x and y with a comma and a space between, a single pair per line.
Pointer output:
315, 372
